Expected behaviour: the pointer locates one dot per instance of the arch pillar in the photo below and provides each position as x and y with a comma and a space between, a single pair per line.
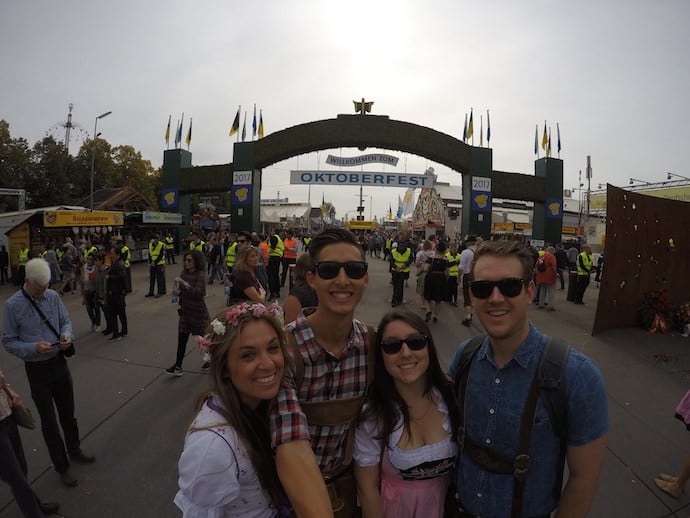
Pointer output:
477, 193
245, 193
547, 221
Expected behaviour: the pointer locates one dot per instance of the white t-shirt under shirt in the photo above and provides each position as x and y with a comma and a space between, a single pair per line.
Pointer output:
217, 478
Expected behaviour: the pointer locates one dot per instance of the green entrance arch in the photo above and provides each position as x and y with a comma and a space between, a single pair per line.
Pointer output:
243, 176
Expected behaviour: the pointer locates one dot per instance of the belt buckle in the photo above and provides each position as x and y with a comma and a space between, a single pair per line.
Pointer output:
521, 466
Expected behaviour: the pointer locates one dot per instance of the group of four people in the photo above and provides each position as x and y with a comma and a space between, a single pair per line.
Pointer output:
333, 418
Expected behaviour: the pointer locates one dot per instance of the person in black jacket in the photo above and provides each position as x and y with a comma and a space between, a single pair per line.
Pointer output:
115, 288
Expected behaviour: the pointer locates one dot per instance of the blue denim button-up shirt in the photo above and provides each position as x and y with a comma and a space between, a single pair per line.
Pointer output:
493, 409
22, 326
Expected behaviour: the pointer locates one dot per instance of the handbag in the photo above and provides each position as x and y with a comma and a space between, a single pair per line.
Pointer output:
22, 415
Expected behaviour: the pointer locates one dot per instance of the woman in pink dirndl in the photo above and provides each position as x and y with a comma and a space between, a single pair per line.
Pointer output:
405, 445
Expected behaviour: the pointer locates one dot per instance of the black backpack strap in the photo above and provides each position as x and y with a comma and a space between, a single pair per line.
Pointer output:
461, 380
552, 382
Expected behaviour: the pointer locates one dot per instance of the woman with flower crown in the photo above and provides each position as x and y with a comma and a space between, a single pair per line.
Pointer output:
405, 445
227, 467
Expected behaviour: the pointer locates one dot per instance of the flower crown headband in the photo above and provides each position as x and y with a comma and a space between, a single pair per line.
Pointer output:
232, 317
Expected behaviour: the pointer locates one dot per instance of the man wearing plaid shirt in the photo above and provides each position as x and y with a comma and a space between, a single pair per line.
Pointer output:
333, 347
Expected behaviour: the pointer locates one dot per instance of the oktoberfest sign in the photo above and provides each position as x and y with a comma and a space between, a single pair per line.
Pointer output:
366, 178
371, 158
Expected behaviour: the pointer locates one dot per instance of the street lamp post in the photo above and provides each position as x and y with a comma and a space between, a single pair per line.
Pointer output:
93, 155
669, 175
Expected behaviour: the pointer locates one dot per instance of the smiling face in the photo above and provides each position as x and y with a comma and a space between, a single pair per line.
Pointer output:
406, 367
504, 318
256, 362
340, 295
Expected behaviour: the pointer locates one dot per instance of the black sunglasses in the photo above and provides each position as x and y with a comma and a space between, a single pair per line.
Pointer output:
331, 269
415, 342
511, 287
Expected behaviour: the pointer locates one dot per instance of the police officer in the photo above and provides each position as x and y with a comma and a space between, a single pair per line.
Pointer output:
22, 259
156, 266
584, 269
170, 248
401, 258
275, 258
126, 256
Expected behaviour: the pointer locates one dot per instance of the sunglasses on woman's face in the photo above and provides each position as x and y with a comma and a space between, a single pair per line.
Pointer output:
510, 287
415, 342
331, 269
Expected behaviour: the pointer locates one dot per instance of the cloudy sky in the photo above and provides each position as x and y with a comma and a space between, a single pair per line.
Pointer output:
615, 75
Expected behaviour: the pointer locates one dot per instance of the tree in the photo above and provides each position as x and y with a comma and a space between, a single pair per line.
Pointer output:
16, 163
129, 168
52, 181
51, 176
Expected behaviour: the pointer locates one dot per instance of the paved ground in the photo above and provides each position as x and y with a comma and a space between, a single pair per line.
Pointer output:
133, 417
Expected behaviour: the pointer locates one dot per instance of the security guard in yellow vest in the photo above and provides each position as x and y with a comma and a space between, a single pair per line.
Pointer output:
584, 268
401, 258
387, 248
231, 256
306, 240
22, 258
453, 269
169, 248
196, 243
88, 251
156, 266
126, 257
275, 258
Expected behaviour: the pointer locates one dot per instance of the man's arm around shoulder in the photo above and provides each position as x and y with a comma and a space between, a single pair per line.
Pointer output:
302, 480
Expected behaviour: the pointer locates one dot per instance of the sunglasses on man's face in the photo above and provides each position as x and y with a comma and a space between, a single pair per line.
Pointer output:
414, 342
331, 269
241, 240
511, 287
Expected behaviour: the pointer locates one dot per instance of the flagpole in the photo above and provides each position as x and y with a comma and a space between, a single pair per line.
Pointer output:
239, 112
488, 130
481, 130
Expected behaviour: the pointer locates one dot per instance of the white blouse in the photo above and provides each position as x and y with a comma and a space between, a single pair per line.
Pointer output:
367, 450
217, 478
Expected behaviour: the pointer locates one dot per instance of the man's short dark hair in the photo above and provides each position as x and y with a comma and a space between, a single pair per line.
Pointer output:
507, 248
331, 236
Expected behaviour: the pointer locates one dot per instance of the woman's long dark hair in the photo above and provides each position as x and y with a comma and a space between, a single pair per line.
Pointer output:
252, 426
384, 403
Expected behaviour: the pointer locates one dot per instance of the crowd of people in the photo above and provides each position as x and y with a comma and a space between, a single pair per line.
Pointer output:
365, 417
308, 396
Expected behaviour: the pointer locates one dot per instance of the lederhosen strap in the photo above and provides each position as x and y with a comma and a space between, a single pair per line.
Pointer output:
491, 461
334, 412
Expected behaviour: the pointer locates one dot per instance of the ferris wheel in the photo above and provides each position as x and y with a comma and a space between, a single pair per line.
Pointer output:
68, 131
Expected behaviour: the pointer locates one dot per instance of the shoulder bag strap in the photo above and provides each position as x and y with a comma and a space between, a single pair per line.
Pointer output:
40, 313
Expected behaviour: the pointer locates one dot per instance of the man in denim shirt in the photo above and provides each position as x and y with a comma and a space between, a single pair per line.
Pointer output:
499, 378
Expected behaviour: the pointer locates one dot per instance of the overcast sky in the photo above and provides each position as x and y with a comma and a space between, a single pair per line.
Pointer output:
615, 75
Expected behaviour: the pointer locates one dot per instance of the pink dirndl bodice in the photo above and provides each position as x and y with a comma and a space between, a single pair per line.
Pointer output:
411, 498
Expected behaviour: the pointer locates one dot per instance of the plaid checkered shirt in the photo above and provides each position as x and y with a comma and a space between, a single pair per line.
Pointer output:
325, 378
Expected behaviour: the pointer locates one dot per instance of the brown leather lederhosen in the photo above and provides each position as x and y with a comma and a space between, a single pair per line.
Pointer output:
340, 480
